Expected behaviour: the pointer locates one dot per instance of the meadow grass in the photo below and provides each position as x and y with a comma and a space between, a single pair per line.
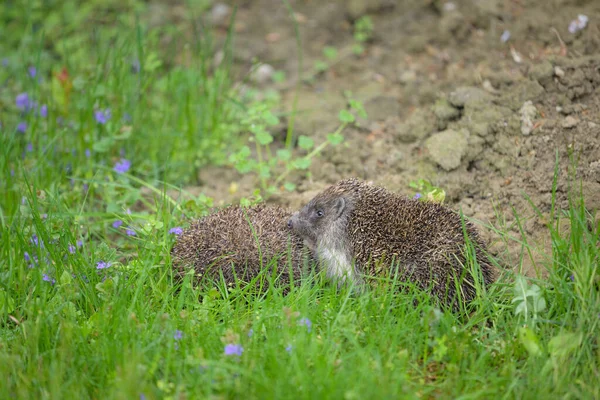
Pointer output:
89, 307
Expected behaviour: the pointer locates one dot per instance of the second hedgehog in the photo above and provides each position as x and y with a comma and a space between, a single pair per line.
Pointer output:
356, 229
240, 243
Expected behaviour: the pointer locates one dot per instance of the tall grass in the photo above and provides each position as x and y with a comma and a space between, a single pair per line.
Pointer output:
89, 307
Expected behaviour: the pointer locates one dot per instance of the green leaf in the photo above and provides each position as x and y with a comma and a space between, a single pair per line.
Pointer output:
284, 154
346, 116
330, 53
529, 340
335, 138
264, 138
302, 163
103, 145
289, 186
270, 119
279, 76
358, 107
305, 142
321, 66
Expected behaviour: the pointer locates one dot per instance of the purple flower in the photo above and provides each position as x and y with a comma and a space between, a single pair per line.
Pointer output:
306, 322
233, 350
178, 335
71, 248
289, 348
130, 232
578, 24
117, 223
250, 332
122, 166
32, 72
22, 127
88, 153
418, 196
47, 278
103, 265
27, 257
102, 116
43, 216
176, 231
572, 277
79, 243
23, 101
36, 241
29, 147
44, 111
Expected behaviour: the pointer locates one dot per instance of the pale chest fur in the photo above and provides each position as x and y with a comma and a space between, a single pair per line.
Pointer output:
336, 260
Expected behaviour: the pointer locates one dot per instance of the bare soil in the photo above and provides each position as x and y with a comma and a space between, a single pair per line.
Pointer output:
447, 101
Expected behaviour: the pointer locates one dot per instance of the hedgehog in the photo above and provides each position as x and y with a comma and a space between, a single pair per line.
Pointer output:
357, 230
239, 243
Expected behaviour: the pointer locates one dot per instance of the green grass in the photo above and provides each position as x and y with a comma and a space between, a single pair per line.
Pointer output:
70, 330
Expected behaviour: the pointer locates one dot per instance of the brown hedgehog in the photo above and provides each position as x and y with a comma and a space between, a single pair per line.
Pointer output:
355, 229
238, 242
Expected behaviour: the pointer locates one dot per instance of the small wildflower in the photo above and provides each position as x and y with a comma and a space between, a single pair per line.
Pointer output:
27, 257
178, 334
43, 216
88, 153
102, 116
176, 231
233, 350
23, 102
79, 243
578, 24
505, 36
306, 322
71, 248
127, 117
103, 265
36, 241
122, 166
29, 147
85, 187
117, 223
32, 71
572, 277
44, 111
250, 332
130, 232
47, 278
418, 196
22, 127
289, 348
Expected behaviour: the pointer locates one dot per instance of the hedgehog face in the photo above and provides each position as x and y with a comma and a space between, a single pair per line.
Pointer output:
316, 218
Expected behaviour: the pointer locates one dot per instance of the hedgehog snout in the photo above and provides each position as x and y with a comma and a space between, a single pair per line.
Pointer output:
290, 223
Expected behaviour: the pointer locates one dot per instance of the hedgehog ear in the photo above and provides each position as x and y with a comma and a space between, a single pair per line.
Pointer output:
339, 206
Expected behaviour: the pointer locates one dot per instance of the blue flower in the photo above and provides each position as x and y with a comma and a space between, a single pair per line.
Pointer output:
71, 248
122, 166
88, 153
32, 71
176, 231
233, 350
23, 101
103, 265
117, 223
22, 127
178, 334
418, 196
289, 348
47, 278
102, 116
130, 232
306, 322
44, 111
29, 147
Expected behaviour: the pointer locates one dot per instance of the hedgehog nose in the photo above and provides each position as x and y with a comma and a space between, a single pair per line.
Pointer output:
290, 224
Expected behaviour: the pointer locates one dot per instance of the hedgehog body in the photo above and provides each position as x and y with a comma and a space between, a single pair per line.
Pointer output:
356, 229
238, 242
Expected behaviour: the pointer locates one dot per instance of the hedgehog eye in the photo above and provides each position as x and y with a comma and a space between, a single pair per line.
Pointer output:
319, 213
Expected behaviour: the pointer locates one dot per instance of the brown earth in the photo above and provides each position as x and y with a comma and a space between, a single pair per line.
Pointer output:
447, 101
